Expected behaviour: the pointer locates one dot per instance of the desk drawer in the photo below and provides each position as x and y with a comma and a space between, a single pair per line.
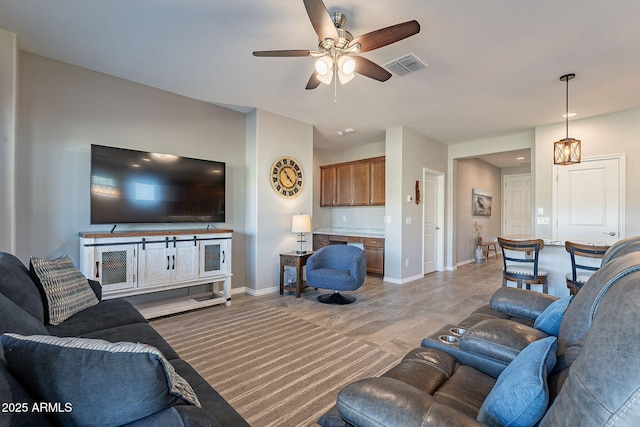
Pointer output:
289, 261
344, 239
370, 242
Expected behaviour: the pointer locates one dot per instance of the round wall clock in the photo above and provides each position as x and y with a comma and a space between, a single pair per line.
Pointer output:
287, 178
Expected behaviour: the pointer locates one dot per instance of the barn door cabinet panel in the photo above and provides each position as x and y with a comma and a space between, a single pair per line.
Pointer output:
131, 264
357, 183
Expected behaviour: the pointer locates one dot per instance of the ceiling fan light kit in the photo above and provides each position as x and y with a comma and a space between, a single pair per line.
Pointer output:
567, 151
337, 57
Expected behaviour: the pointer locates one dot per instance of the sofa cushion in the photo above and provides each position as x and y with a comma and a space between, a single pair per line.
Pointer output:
521, 395
105, 383
17, 285
11, 391
549, 321
499, 339
520, 303
106, 315
15, 319
135, 332
66, 289
212, 402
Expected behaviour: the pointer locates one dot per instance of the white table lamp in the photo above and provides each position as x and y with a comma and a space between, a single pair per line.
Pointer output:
301, 224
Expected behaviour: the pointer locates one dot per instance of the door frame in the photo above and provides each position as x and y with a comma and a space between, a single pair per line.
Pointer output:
440, 217
621, 158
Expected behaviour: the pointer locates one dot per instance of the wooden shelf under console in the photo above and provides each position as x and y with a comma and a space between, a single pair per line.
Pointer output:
136, 263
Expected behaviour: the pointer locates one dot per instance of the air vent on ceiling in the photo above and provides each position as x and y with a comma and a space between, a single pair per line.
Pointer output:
405, 65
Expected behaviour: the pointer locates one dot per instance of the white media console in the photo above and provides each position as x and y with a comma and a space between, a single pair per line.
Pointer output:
130, 264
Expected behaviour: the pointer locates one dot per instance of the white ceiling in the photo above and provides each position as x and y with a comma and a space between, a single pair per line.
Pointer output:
493, 65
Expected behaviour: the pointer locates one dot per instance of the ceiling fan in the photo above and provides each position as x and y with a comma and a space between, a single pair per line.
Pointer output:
337, 49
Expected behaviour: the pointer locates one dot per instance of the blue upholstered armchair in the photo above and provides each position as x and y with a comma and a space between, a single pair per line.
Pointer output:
337, 267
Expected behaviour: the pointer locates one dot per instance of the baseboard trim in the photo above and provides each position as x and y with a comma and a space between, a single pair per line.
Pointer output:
403, 281
259, 292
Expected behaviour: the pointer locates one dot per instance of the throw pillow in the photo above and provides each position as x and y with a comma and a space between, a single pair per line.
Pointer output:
550, 319
66, 289
521, 395
93, 381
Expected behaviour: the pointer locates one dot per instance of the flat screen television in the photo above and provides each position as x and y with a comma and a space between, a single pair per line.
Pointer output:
129, 186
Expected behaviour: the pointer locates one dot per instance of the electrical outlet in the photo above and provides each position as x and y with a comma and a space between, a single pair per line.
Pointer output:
406, 262
408, 220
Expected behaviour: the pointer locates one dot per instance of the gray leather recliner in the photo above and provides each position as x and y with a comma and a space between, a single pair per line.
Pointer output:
595, 382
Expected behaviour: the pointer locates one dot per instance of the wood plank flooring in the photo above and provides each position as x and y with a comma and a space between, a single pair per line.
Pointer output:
393, 317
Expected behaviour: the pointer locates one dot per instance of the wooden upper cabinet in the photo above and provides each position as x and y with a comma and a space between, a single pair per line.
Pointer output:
377, 174
328, 186
358, 183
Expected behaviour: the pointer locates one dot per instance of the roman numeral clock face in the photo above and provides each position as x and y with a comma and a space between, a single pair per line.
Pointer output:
287, 178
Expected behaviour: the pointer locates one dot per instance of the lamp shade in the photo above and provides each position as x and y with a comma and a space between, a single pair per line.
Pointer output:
301, 223
324, 69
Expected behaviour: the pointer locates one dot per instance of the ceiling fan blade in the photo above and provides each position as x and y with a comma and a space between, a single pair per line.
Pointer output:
371, 69
313, 82
281, 53
386, 36
321, 20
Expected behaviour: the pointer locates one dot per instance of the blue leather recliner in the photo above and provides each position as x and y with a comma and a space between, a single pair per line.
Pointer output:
337, 267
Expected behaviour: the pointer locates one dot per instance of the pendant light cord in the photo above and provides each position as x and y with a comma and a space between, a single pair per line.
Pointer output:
567, 108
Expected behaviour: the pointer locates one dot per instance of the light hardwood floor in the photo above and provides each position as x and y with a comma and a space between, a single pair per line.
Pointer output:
393, 317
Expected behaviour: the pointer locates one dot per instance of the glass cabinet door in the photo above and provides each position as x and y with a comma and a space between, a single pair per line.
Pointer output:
115, 266
214, 257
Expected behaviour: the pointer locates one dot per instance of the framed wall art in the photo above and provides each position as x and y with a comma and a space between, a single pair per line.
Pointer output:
481, 202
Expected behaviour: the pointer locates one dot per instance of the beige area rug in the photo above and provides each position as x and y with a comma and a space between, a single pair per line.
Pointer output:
273, 368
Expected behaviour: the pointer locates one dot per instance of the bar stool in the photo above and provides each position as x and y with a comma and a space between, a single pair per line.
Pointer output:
520, 263
488, 247
579, 254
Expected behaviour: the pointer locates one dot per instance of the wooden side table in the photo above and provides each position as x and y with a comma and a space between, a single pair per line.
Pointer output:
293, 259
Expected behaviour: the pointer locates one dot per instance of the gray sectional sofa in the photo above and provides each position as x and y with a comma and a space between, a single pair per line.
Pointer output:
92, 381
496, 367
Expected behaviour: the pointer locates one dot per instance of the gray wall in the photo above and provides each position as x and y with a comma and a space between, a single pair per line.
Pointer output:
8, 105
64, 109
470, 174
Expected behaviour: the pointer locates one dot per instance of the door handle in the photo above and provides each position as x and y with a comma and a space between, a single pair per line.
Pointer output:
609, 233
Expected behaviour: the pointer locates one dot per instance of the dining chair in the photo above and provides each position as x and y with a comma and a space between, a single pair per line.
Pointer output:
581, 269
520, 263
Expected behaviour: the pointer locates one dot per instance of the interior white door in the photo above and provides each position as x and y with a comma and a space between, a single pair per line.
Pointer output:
589, 201
517, 205
430, 227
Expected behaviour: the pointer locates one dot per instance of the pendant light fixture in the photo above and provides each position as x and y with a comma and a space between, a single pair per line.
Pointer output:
567, 150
